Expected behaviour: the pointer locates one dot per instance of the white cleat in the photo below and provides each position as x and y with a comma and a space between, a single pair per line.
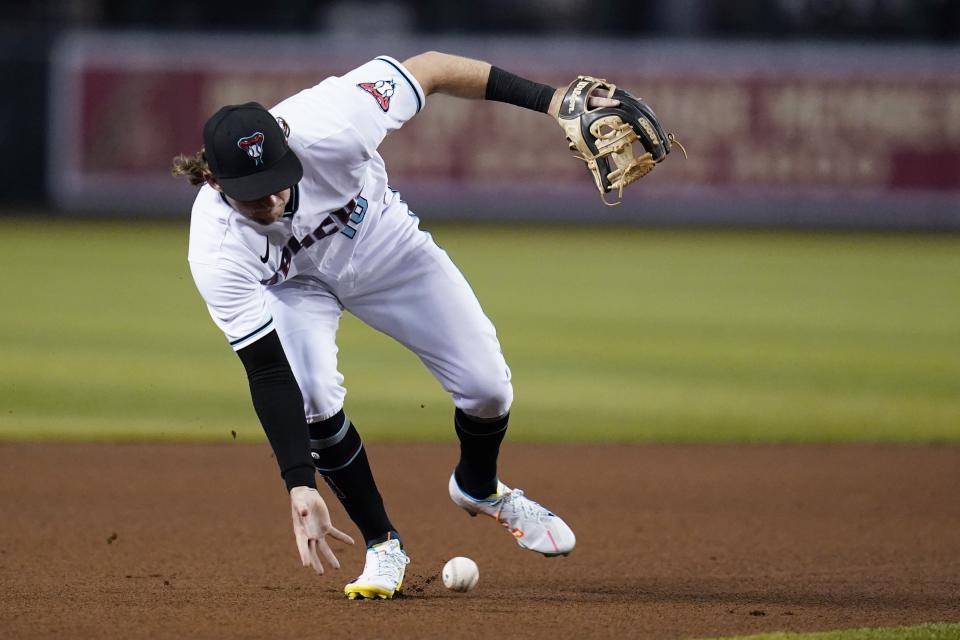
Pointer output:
531, 525
382, 574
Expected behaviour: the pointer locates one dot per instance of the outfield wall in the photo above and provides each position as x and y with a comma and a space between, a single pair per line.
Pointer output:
777, 134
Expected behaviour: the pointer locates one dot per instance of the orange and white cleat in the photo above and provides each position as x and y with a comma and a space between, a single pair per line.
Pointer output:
533, 527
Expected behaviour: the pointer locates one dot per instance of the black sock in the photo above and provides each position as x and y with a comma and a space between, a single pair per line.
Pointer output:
476, 473
339, 456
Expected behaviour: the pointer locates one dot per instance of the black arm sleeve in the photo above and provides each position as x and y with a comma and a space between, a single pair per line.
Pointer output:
279, 405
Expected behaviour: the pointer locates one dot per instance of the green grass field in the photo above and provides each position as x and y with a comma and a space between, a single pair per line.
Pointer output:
612, 334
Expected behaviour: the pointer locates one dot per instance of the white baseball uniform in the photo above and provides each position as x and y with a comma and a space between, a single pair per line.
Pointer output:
347, 241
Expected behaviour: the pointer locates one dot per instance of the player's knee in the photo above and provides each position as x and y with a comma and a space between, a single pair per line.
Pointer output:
489, 399
334, 443
322, 398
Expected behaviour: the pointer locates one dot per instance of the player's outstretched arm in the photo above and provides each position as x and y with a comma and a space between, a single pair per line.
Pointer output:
453, 75
279, 405
475, 79
600, 121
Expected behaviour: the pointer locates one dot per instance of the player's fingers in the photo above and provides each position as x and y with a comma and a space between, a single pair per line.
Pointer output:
339, 535
327, 552
315, 557
303, 547
597, 102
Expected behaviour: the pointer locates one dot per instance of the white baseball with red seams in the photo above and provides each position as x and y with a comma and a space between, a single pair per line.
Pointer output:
460, 574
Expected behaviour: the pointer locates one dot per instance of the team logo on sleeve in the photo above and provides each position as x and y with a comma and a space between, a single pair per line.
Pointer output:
253, 145
381, 90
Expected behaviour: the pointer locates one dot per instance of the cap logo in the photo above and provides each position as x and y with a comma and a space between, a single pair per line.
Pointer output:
381, 90
253, 145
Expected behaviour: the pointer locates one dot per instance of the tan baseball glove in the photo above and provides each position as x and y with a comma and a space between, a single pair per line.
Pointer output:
604, 137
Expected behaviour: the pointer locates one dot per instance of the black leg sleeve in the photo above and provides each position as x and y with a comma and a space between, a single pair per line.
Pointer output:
476, 473
279, 405
339, 455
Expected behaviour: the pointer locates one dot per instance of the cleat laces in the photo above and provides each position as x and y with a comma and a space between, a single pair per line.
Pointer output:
390, 565
515, 503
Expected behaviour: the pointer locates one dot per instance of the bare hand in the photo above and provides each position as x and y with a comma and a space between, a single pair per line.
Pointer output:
311, 526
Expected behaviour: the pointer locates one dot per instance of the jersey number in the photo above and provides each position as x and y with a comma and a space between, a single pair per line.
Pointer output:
356, 217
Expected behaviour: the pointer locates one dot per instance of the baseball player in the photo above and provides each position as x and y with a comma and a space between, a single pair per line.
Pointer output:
294, 223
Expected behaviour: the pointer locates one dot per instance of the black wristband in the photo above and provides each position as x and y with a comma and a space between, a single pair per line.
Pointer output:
504, 86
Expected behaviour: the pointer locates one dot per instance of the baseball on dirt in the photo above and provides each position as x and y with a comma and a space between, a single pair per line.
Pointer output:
460, 574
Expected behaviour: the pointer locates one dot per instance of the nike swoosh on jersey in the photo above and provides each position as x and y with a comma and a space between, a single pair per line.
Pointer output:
330, 225
266, 253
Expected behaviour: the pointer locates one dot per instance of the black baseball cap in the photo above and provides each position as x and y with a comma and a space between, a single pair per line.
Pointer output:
247, 152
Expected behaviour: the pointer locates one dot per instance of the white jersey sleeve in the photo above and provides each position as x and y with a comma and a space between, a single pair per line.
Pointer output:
235, 301
337, 125
383, 95
232, 291
363, 105
224, 271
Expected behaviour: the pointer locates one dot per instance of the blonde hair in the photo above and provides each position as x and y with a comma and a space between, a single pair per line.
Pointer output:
194, 167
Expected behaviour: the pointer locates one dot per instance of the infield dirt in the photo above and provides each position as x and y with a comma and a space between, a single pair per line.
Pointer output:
194, 541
